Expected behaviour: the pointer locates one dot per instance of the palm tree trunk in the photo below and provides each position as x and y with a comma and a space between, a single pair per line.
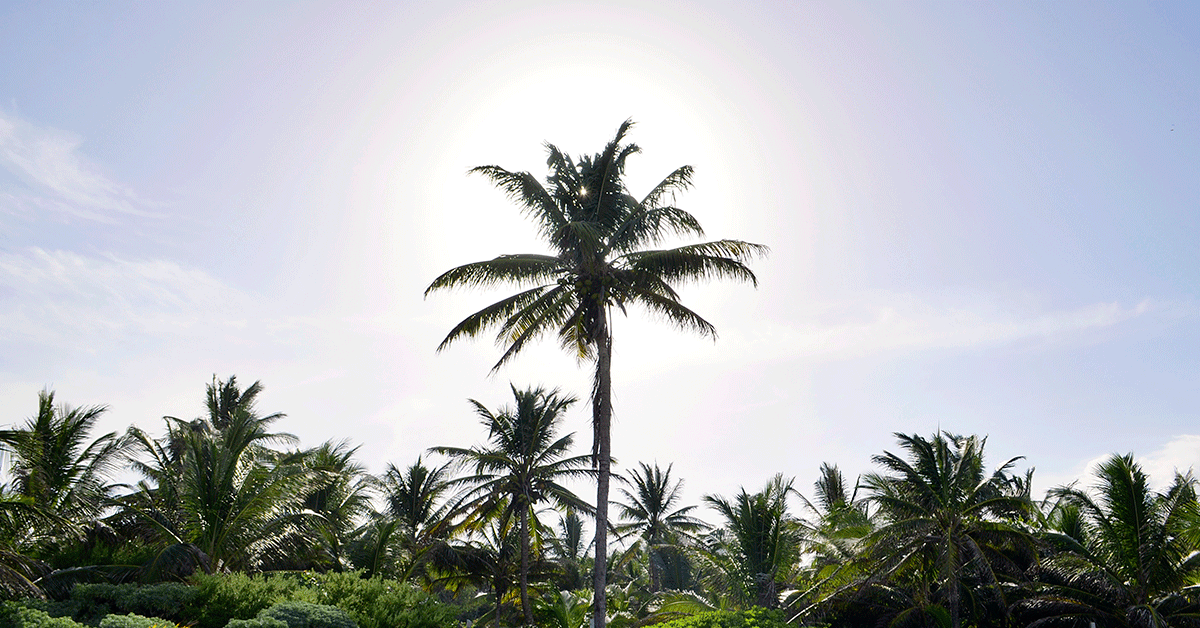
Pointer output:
601, 448
525, 566
499, 600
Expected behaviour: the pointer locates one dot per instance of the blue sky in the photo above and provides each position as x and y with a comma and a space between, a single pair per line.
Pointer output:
983, 217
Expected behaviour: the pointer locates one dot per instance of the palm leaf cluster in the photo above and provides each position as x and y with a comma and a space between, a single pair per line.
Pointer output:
932, 537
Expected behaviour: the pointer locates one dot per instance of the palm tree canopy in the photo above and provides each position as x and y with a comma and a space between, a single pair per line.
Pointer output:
760, 544
54, 464
944, 517
526, 460
598, 234
1124, 554
650, 507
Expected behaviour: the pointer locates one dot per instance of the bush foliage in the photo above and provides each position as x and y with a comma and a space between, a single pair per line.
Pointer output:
753, 618
309, 615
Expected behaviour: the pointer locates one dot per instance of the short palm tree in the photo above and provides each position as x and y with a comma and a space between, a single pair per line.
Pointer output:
651, 511
523, 467
839, 522
338, 494
599, 237
1125, 555
56, 467
944, 521
570, 550
415, 501
756, 552
214, 481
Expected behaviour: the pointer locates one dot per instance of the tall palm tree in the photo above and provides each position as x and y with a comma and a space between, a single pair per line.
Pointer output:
1126, 555
945, 521
759, 546
650, 511
598, 235
522, 468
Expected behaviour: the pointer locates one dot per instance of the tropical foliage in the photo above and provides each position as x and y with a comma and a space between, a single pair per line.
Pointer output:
600, 238
233, 524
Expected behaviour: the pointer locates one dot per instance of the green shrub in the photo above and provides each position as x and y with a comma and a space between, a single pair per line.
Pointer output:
257, 622
752, 618
15, 615
220, 598
134, 621
163, 600
309, 615
375, 602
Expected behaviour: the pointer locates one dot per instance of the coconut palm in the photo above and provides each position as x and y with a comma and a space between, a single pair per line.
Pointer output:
489, 557
755, 553
1126, 555
56, 469
215, 483
338, 493
945, 522
839, 522
598, 235
521, 469
414, 500
651, 512
569, 548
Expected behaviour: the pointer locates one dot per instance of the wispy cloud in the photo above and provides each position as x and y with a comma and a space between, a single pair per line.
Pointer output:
60, 298
51, 175
890, 324
907, 324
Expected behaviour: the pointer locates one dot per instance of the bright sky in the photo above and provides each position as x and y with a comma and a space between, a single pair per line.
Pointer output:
984, 217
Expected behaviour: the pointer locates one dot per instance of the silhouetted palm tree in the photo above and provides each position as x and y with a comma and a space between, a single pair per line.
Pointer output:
522, 467
54, 464
1126, 555
598, 234
651, 511
757, 550
944, 521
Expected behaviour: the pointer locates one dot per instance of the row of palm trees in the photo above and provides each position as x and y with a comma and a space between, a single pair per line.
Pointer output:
933, 538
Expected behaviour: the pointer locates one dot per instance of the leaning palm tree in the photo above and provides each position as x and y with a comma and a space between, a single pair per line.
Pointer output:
1124, 554
522, 468
651, 512
598, 235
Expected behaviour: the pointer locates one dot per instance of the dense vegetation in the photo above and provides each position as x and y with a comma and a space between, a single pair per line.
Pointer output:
234, 525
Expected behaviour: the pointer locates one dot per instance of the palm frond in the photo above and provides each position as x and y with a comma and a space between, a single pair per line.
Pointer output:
522, 269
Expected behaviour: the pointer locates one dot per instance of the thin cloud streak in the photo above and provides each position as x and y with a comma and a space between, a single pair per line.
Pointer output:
57, 177
911, 326
892, 325
59, 298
